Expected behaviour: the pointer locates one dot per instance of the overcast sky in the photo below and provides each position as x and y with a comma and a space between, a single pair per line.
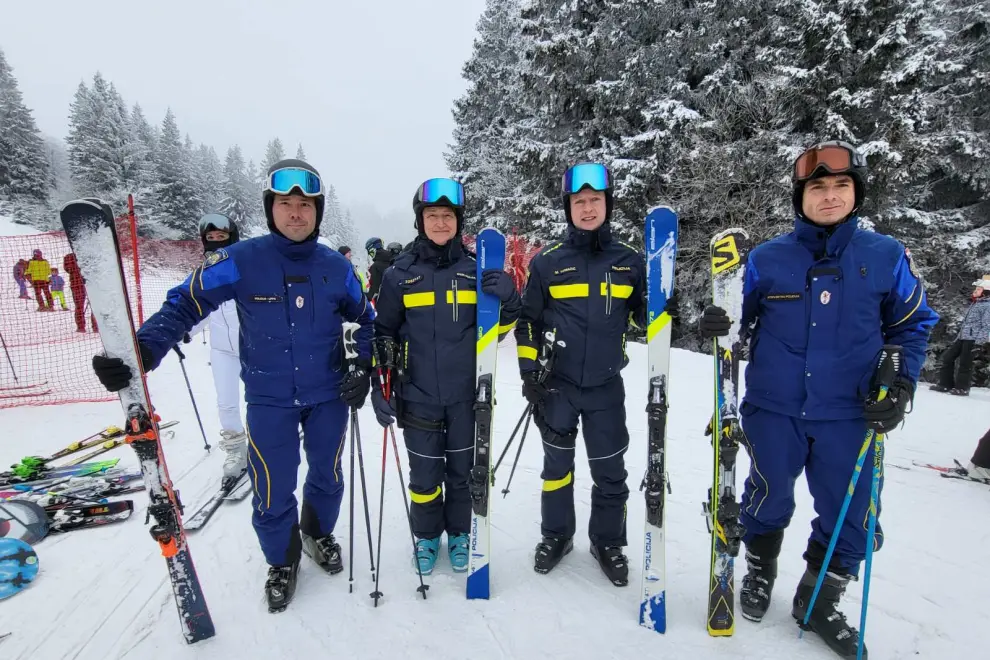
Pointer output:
366, 85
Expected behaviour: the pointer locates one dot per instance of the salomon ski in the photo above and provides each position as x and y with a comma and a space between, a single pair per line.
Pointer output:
89, 226
729, 250
661, 250
490, 247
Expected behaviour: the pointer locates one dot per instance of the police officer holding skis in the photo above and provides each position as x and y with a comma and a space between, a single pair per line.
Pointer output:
425, 338
584, 290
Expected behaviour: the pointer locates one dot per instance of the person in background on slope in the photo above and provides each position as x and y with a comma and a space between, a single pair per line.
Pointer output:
38, 271
77, 287
395, 248
973, 331
217, 231
20, 277
585, 289
346, 251
381, 259
57, 285
979, 465
425, 336
293, 296
824, 299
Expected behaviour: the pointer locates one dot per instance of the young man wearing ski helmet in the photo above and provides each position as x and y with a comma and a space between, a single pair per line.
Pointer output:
293, 296
381, 259
584, 288
823, 299
425, 337
217, 231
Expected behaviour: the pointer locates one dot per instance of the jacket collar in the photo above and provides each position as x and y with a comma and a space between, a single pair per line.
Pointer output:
593, 241
291, 249
438, 255
825, 241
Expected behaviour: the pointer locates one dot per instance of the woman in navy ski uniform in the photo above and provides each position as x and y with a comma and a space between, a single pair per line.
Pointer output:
427, 318
822, 301
292, 295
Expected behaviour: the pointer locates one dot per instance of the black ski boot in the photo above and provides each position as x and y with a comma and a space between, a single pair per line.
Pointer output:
280, 586
614, 564
325, 551
939, 388
825, 620
550, 551
757, 586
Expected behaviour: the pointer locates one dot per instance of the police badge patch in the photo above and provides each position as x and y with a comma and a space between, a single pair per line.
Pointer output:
910, 260
215, 257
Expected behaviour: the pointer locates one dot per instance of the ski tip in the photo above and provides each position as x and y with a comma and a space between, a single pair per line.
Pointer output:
661, 209
738, 231
82, 202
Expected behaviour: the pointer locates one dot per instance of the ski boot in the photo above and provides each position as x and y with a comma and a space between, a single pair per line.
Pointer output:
280, 586
757, 586
828, 622
234, 443
426, 554
325, 551
959, 391
457, 549
939, 388
550, 551
614, 564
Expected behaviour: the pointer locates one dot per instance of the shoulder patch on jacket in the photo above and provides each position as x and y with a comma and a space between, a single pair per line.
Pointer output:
910, 260
215, 257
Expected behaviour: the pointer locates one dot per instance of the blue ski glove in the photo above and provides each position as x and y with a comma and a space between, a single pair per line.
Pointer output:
497, 283
384, 410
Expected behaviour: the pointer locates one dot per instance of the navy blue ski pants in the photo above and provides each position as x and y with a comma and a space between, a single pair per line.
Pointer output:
602, 413
273, 465
440, 444
781, 447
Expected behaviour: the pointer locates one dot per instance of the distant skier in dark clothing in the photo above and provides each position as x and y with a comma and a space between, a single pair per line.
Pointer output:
381, 259
974, 331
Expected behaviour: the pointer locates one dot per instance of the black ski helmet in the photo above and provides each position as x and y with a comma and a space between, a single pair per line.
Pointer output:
394, 247
419, 204
856, 169
268, 197
566, 188
217, 222
372, 245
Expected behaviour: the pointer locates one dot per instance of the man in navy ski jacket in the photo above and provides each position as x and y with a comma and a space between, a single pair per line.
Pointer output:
292, 295
821, 301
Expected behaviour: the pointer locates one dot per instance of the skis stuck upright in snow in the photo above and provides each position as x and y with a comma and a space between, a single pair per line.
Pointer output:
89, 226
661, 252
490, 254
729, 251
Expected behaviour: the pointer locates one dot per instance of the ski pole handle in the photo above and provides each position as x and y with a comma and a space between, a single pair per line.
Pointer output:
179, 352
888, 368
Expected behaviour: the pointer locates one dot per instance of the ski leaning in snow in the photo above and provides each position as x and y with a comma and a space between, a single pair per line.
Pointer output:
224, 493
490, 246
729, 250
661, 251
18, 566
89, 227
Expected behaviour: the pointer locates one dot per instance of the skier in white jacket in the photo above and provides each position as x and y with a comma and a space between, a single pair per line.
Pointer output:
218, 231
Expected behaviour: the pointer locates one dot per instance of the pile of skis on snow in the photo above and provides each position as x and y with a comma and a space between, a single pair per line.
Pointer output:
39, 497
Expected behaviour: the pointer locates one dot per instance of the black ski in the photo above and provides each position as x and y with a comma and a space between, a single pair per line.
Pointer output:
205, 512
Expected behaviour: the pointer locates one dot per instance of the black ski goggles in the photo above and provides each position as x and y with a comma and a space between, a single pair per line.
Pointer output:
215, 221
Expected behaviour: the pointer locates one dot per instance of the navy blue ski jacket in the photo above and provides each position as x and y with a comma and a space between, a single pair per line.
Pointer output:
428, 304
291, 300
823, 304
586, 288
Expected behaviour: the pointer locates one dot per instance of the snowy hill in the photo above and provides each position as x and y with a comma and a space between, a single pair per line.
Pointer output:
10, 228
103, 593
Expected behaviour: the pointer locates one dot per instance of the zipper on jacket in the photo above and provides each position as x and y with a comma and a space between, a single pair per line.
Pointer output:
608, 294
453, 284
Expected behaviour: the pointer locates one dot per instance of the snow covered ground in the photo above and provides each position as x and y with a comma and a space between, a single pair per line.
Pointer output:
103, 593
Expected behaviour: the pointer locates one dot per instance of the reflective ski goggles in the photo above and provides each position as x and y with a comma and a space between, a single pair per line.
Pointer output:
591, 175
834, 157
433, 191
214, 221
283, 181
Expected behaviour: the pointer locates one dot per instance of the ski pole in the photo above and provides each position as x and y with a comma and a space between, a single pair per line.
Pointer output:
376, 594
9, 361
182, 364
887, 369
871, 538
364, 492
515, 461
524, 416
350, 531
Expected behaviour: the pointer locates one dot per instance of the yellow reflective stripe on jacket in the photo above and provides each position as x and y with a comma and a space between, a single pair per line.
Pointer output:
425, 299
463, 297
559, 291
618, 290
526, 352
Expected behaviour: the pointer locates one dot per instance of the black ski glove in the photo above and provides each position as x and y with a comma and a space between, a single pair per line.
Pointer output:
533, 389
714, 322
497, 283
884, 416
114, 374
384, 410
356, 383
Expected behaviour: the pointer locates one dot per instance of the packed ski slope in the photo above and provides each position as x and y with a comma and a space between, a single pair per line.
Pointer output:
103, 593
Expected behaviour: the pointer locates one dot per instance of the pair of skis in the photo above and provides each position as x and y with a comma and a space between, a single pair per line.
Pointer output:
729, 250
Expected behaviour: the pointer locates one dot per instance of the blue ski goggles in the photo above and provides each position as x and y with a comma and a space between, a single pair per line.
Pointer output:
283, 181
433, 191
586, 175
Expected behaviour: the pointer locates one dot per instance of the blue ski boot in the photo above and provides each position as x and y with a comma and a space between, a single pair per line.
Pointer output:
457, 547
426, 554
